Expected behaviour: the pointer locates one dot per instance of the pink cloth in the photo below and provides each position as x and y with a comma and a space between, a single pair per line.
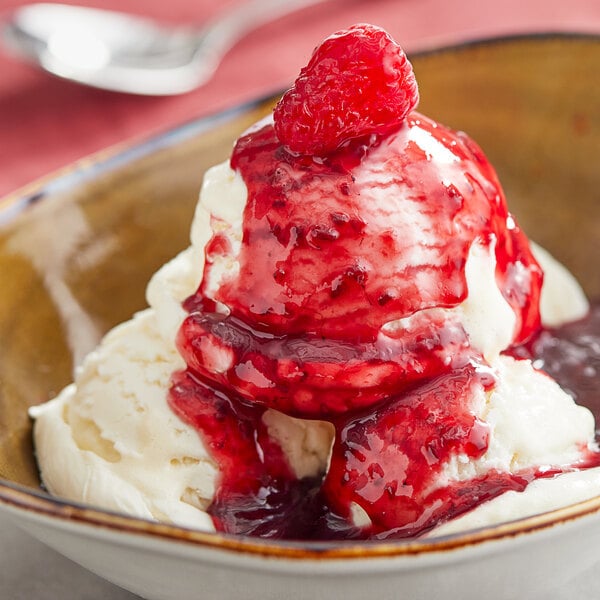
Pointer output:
46, 123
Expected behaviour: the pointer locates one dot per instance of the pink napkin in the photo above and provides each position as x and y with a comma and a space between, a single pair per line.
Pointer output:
46, 123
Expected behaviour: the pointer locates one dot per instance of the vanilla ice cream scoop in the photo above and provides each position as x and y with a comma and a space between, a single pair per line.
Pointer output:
111, 440
334, 355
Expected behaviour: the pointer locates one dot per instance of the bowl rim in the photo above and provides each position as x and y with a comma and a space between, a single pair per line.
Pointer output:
40, 504
36, 502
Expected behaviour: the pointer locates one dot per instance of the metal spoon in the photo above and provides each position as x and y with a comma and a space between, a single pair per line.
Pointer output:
124, 53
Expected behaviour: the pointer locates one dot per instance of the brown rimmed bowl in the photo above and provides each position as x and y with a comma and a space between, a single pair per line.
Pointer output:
79, 248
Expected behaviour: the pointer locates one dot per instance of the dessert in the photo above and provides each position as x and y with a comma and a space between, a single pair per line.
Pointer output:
351, 346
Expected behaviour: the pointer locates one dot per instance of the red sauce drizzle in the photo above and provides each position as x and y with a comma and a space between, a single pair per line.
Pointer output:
321, 247
324, 264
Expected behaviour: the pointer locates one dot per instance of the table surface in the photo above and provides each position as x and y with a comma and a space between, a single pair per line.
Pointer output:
46, 123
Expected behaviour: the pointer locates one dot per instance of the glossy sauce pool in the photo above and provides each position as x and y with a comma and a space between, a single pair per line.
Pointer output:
571, 355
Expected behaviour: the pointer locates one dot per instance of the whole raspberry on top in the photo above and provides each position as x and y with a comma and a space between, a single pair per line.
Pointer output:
358, 82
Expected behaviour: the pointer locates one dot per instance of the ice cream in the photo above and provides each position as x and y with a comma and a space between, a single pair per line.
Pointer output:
340, 352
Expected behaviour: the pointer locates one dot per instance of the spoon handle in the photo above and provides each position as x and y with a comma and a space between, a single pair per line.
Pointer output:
228, 27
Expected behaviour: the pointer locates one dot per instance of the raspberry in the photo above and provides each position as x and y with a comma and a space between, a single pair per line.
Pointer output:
357, 83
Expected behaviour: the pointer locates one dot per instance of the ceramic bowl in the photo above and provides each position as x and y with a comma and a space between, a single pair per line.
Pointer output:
77, 250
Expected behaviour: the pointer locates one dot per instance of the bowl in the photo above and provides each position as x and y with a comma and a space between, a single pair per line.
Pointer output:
77, 249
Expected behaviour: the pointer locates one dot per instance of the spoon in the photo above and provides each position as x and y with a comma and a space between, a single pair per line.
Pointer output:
124, 53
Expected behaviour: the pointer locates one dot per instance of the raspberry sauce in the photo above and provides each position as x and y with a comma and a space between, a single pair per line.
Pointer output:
332, 251
371, 234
